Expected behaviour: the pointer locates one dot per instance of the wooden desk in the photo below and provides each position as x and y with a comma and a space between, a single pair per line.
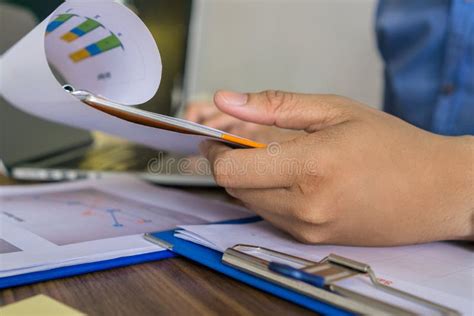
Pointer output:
174, 286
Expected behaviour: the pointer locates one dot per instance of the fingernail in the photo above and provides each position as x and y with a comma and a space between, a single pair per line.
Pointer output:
233, 98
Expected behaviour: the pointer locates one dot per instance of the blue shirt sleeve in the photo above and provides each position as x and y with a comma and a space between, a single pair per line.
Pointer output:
428, 50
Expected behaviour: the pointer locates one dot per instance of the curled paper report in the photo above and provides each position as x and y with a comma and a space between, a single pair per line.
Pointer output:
99, 46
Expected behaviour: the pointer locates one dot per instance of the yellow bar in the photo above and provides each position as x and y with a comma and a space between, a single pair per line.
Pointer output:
69, 37
242, 141
79, 55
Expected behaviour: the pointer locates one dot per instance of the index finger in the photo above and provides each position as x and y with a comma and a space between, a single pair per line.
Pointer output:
256, 168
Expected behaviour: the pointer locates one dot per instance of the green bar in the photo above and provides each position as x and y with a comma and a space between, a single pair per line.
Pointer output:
88, 25
64, 17
108, 43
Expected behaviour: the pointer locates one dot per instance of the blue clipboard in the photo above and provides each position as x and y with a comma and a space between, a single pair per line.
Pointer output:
57, 273
212, 259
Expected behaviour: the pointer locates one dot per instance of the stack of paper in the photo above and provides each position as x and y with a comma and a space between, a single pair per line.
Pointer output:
442, 272
57, 225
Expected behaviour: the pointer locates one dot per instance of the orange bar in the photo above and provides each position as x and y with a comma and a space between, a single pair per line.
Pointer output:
69, 37
79, 55
242, 141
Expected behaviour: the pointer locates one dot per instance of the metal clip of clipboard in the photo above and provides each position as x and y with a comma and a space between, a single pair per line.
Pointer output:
257, 260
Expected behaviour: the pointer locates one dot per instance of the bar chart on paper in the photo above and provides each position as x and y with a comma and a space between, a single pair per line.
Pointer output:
103, 48
87, 214
82, 29
57, 22
71, 27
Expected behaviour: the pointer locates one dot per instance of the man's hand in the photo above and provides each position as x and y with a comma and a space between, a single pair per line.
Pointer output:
358, 176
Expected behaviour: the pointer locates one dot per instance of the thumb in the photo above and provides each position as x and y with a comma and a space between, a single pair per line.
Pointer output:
283, 109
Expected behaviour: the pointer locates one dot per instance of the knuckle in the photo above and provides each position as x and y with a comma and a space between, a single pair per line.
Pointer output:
336, 99
278, 100
308, 235
275, 98
222, 180
222, 169
311, 213
233, 192
342, 109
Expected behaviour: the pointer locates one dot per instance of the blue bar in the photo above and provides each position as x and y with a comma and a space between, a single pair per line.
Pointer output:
93, 49
53, 25
77, 31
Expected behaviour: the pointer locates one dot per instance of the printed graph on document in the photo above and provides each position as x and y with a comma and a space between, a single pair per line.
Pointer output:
87, 214
96, 49
98, 39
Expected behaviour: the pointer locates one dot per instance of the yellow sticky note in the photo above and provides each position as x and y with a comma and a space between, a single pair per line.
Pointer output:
39, 305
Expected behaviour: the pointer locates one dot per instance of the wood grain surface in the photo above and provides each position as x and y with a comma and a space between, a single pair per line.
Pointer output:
174, 286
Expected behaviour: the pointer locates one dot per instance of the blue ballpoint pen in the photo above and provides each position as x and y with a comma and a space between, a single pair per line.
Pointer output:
289, 271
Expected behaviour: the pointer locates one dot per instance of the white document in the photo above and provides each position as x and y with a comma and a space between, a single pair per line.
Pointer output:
441, 271
95, 45
56, 225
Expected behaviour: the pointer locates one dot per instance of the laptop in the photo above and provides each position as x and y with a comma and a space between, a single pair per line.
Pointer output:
32, 149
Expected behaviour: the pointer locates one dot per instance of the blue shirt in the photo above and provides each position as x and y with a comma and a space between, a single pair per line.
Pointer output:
428, 49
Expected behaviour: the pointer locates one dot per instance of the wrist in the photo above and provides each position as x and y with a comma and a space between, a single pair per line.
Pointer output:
457, 168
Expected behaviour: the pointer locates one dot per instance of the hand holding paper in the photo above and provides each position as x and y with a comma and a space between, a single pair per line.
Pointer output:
98, 46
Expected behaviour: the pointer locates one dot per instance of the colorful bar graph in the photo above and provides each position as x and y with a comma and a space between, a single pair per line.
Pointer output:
58, 21
80, 30
105, 44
